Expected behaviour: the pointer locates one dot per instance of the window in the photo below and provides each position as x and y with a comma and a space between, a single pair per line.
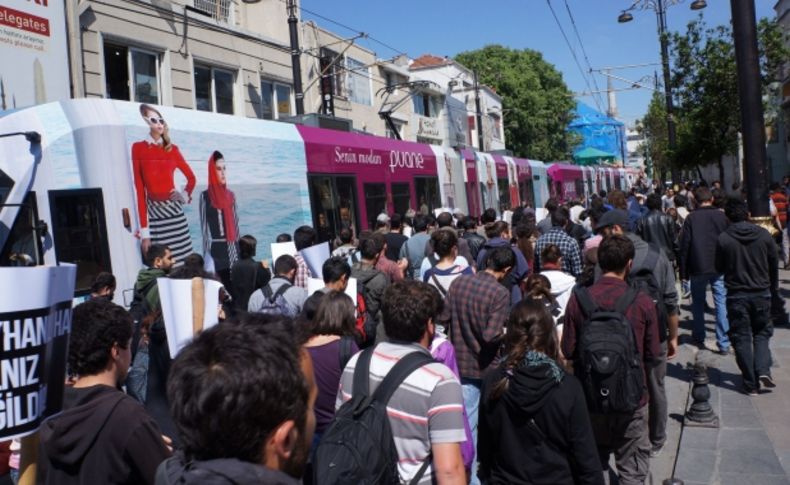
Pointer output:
401, 197
334, 202
426, 105
219, 10
391, 134
142, 85
332, 67
427, 189
80, 233
275, 100
504, 194
358, 82
375, 202
213, 90
23, 246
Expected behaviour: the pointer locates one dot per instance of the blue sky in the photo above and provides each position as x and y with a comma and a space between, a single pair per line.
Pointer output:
445, 28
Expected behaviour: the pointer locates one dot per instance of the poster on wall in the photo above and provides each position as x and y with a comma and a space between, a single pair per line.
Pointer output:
34, 337
33, 57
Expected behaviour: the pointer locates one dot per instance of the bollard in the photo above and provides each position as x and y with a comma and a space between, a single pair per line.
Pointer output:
701, 413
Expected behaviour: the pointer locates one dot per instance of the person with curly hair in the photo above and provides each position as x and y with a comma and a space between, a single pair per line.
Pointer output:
102, 435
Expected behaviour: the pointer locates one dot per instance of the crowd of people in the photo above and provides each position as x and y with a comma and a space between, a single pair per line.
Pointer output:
473, 350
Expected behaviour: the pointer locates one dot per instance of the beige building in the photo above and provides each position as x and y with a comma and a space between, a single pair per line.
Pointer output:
344, 79
212, 55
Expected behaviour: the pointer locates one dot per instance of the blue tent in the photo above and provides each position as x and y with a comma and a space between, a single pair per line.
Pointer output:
598, 131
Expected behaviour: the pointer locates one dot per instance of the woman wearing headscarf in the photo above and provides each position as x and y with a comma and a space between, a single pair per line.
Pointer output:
218, 220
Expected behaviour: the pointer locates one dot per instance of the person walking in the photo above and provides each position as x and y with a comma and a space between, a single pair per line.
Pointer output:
246, 274
746, 255
698, 241
657, 228
569, 247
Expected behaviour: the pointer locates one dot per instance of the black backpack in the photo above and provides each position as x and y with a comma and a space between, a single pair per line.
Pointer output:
644, 279
608, 361
138, 308
358, 448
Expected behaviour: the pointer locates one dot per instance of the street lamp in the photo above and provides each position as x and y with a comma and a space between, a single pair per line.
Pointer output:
660, 8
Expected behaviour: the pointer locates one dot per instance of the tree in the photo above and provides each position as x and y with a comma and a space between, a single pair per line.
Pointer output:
705, 85
540, 105
654, 127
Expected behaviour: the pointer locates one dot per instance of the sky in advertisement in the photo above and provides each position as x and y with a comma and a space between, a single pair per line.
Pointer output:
445, 28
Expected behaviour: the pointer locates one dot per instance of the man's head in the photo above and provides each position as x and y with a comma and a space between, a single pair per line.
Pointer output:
420, 223
244, 391
336, 273
499, 261
408, 310
470, 224
281, 238
615, 255
371, 247
679, 200
395, 222
286, 266
551, 254
653, 202
159, 256
445, 243
445, 219
489, 216
704, 196
551, 205
736, 210
345, 235
559, 218
101, 334
612, 222
103, 286
247, 246
304, 237
617, 200
497, 229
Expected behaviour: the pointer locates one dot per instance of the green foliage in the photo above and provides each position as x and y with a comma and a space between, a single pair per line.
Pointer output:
540, 105
654, 127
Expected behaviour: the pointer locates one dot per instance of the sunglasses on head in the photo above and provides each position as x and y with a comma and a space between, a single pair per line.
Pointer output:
154, 120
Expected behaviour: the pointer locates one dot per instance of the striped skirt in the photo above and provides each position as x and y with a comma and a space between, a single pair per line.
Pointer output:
168, 225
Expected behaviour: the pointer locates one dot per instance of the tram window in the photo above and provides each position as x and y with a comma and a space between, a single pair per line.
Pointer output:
579, 188
375, 202
6, 184
428, 198
473, 199
334, 202
504, 194
80, 233
22, 247
401, 197
525, 189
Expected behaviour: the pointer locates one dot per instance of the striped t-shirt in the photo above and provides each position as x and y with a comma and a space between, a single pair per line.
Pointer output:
427, 408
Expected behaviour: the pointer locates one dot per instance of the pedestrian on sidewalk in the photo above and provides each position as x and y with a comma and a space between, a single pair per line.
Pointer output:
697, 254
746, 255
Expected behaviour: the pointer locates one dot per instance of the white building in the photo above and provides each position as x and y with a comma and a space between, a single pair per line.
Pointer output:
635, 148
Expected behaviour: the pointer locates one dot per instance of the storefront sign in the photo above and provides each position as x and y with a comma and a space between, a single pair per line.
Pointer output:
428, 127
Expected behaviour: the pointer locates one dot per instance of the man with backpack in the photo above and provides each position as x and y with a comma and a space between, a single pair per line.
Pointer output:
399, 410
280, 296
371, 282
652, 272
414, 249
159, 262
611, 335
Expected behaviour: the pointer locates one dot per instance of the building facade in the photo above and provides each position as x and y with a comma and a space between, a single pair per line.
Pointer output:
209, 55
635, 148
778, 117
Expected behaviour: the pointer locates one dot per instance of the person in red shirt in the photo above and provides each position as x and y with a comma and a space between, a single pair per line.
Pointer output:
159, 204
218, 220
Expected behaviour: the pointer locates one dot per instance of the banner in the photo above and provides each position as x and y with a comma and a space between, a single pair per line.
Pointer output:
35, 324
33, 53
177, 309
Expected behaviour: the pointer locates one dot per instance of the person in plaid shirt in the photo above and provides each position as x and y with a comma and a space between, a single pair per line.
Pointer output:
476, 309
304, 237
569, 247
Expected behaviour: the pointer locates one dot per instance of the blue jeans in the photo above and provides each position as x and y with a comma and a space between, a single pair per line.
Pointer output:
699, 284
471, 391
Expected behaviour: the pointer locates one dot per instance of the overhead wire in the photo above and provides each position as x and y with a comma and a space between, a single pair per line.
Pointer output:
584, 51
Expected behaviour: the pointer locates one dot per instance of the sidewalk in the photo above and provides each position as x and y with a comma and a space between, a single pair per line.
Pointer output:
752, 444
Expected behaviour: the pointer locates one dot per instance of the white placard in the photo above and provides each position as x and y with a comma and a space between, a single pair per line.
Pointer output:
280, 249
176, 299
314, 257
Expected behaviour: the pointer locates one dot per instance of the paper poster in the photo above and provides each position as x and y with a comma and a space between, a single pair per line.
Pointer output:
314, 257
176, 298
540, 214
35, 324
315, 284
280, 249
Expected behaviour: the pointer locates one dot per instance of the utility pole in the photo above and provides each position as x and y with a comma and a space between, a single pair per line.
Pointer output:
755, 158
479, 114
296, 62
662, 34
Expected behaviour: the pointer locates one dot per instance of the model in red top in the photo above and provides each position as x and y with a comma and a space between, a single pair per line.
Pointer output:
159, 203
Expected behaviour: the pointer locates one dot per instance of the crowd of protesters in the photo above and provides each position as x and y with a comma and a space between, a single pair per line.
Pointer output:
484, 351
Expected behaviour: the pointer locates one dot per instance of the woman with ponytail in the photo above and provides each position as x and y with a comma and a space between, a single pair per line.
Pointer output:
534, 426
218, 220
159, 203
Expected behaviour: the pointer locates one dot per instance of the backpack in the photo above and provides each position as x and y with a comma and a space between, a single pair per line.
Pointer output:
643, 279
138, 308
345, 353
358, 447
608, 363
366, 321
274, 302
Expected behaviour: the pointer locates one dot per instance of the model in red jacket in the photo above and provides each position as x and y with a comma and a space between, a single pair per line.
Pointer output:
159, 203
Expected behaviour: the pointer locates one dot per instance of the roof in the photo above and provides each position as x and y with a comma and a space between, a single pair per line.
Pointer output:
429, 60
586, 115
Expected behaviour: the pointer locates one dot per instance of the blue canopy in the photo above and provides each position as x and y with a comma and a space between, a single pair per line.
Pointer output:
598, 131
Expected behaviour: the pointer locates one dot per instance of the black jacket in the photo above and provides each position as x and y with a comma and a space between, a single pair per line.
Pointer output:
698, 241
246, 276
475, 242
558, 449
658, 230
102, 436
747, 256
222, 471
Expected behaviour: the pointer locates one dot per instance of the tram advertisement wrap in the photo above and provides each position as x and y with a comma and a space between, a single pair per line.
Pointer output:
35, 323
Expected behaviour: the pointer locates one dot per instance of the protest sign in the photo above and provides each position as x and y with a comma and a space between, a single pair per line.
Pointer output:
177, 309
35, 323
280, 249
314, 257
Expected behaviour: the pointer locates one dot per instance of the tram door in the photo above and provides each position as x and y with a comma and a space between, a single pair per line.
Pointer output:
333, 199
